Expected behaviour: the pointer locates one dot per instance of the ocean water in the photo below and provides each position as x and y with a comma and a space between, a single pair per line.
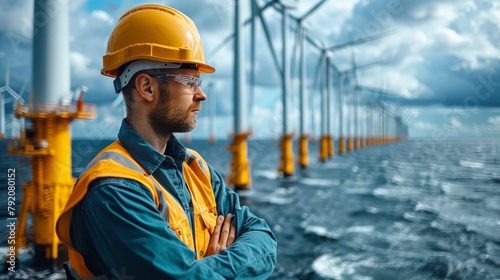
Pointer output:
419, 209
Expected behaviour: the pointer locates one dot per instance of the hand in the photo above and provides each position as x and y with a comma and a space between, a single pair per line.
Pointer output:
223, 236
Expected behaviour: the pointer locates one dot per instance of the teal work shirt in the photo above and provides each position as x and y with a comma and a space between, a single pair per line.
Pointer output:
121, 234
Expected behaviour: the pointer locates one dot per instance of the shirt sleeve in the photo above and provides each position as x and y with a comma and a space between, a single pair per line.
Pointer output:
121, 223
253, 254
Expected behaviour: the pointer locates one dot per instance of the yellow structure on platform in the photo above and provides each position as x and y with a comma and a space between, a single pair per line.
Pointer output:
323, 148
350, 146
357, 143
48, 142
303, 151
212, 139
239, 172
341, 145
286, 165
331, 151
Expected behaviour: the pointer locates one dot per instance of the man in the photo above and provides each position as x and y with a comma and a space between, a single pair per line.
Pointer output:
145, 207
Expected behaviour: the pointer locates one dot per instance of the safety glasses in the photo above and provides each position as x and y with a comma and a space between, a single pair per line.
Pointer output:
189, 81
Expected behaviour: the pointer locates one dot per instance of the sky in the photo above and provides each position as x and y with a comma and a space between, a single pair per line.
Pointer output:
441, 62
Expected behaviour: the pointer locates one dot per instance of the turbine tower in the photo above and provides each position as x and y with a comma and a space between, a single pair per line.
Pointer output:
303, 151
239, 174
48, 140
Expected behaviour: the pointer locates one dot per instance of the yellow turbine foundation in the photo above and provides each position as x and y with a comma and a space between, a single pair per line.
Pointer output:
341, 145
44, 197
363, 142
303, 151
212, 139
323, 148
357, 143
331, 151
350, 146
239, 172
286, 164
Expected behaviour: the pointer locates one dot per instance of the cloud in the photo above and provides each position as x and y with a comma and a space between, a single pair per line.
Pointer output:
443, 52
420, 125
455, 122
80, 63
103, 16
495, 121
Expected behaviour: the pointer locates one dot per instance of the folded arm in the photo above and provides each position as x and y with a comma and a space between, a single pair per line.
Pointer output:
253, 253
120, 232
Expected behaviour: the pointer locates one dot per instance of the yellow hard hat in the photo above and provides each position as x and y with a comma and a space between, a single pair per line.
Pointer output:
155, 33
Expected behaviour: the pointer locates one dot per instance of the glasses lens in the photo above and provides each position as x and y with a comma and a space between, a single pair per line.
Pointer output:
192, 82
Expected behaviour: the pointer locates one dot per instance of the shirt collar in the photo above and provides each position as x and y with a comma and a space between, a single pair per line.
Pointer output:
145, 154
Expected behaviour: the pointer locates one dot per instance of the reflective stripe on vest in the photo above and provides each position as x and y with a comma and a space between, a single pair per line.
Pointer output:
115, 161
162, 206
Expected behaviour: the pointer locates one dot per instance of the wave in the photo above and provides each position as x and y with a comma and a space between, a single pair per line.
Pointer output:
280, 196
397, 179
359, 191
366, 211
493, 203
332, 267
33, 274
23, 270
495, 180
399, 193
320, 231
493, 253
320, 182
328, 266
418, 218
471, 164
421, 207
272, 175
443, 267
337, 165
278, 200
361, 229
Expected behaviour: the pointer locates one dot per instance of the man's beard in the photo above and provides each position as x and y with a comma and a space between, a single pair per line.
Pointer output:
168, 118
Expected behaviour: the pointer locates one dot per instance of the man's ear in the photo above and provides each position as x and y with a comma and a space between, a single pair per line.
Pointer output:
145, 86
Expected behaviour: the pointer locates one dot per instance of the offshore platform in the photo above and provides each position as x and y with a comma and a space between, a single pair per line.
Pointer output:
47, 138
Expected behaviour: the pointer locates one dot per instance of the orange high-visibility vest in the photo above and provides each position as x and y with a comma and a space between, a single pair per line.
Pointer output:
115, 161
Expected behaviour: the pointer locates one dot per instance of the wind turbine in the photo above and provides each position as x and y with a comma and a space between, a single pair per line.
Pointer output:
48, 139
327, 139
303, 154
401, 127
326, 145
377, 132
239, 174
286, 165
3, 101
356, 103
348, 73
322, 83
